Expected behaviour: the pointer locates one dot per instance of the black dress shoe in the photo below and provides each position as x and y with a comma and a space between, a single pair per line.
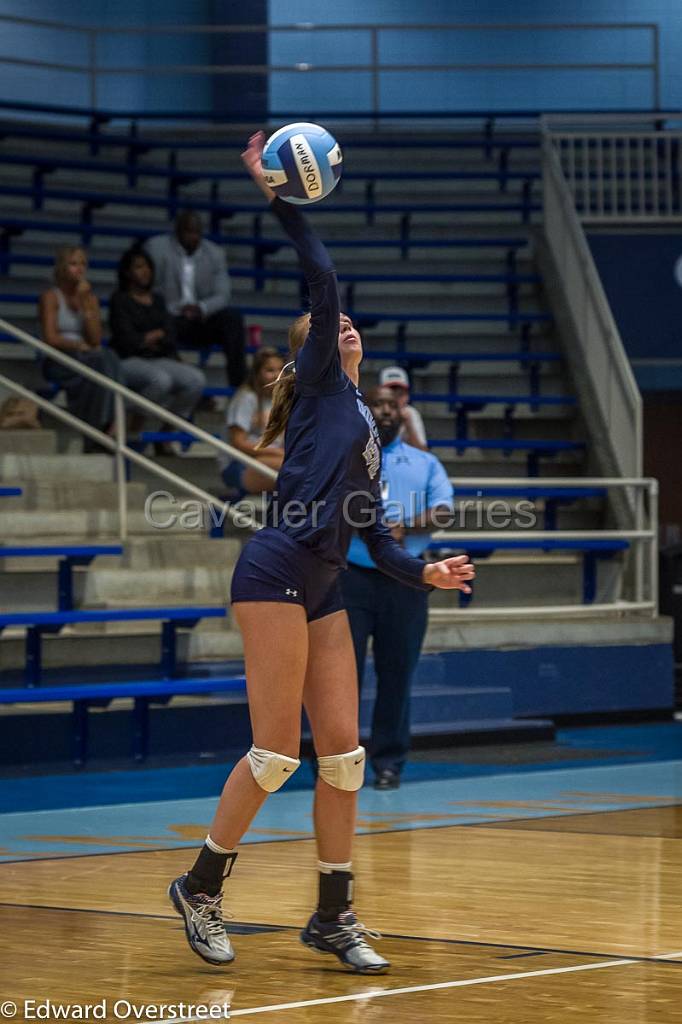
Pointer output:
387, 779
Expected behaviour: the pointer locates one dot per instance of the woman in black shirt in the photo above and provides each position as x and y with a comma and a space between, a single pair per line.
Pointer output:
142, 333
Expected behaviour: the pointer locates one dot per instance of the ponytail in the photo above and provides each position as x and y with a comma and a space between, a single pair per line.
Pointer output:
282, 402
283, 388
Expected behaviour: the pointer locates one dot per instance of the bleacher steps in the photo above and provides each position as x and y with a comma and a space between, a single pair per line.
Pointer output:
55, 467
79, 523
17, 443
513, 634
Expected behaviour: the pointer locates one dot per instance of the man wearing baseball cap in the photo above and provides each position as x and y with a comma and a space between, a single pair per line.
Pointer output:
412, 430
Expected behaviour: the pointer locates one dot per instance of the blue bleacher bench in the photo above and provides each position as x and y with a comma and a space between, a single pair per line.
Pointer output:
261, 275
366, 319
37, 623
143, 693
10, 226
462, 405
453, 398
272, 274
185, 175
415, 360
220, 209
536, 448
145, 143
591, 550
10, 492
553, 497
422, 358
69, 555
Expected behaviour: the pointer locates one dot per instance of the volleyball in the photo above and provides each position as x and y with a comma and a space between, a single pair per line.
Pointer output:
302, 162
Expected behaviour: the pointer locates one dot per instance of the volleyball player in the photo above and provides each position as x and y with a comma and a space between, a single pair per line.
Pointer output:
287, 601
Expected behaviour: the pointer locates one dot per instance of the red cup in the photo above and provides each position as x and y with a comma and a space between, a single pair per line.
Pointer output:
255, 336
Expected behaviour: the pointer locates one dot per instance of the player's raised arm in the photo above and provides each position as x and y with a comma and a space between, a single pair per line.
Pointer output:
319, 355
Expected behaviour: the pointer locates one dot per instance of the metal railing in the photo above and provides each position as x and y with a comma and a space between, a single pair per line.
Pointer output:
643, 495
596, 336
621, 169
373, 36
117, 444
642, 500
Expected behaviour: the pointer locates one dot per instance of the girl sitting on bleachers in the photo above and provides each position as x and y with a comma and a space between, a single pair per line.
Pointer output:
247, 415
71, 322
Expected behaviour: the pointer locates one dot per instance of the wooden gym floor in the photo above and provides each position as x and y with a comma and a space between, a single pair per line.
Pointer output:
543, 919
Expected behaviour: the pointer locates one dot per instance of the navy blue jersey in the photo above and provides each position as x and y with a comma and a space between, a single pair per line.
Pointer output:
329, 483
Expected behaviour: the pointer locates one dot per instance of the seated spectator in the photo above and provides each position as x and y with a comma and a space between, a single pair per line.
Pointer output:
143, 335
412, 429
70, 321
193, 278
247, 415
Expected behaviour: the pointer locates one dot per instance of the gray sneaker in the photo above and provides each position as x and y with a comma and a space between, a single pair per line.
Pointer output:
204, 926
345, 938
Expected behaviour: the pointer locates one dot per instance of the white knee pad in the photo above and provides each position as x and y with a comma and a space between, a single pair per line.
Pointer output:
270, 770
343, 771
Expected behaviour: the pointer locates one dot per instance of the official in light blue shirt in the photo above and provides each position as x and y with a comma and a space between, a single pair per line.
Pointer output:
417, 498
412, 483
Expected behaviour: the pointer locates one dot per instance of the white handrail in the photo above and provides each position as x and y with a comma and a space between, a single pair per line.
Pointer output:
603, 356
492, 536
543, 611
118, 445
537, 482
643, 534
121, 452
133, 398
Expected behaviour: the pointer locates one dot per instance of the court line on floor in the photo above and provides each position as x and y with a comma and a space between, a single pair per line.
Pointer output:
464, 983
437, 986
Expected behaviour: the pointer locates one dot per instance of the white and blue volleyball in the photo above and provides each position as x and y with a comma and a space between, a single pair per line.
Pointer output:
302, 162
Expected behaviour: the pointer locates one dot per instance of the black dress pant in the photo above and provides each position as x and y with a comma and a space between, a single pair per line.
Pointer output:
224, 328
395, 616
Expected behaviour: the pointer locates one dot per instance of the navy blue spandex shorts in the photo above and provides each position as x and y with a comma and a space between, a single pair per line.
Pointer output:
273, 567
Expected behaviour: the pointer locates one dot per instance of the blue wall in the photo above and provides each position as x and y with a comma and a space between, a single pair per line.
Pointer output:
642, 278
131, 92
328, 91
500, 90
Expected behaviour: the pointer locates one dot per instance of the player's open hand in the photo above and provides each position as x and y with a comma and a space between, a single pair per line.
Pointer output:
450, 574
252, 158
253, 153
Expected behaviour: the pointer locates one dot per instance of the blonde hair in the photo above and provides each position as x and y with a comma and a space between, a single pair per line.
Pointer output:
62, 257
283, 388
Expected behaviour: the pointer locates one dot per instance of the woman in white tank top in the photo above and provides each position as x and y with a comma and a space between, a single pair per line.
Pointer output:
70, 321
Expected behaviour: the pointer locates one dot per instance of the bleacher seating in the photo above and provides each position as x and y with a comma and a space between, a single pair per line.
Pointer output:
591, 550
452, 294
38, 623
83, 695
69, 556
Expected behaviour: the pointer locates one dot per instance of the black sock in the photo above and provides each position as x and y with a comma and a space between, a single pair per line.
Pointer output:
208, 871
336, 894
